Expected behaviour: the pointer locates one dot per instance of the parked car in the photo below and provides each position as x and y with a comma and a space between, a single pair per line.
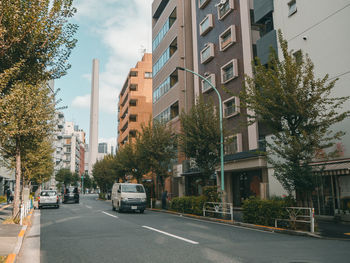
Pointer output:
71, 194
129, 197
48, 198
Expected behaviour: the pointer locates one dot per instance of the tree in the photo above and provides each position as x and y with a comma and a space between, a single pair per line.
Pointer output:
105, 173
65, 176
156, 147
130, 161
297, 107
37, 162
200, 136
35, 40
26, 115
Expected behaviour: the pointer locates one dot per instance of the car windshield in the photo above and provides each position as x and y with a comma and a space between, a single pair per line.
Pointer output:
48, 193
132, 188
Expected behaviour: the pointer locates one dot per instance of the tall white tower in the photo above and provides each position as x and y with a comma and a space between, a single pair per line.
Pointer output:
93, 133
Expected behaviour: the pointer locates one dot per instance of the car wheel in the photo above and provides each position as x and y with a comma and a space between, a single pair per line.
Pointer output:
57, 206
142, 211
39, 206
113, 208
120, 210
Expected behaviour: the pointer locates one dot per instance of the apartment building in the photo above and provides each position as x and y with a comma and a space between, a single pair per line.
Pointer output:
173, 91
225, 39
320, 35
135, 100
74, 148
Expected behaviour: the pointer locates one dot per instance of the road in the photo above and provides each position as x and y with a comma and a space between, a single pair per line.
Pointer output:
92, 232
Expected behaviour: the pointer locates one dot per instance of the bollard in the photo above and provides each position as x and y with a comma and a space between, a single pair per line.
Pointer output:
231, 211
312, 215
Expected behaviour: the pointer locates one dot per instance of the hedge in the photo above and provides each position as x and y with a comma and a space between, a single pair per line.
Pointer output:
264, 212
188, 204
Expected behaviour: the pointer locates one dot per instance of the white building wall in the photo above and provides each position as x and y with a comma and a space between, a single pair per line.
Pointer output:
320, 28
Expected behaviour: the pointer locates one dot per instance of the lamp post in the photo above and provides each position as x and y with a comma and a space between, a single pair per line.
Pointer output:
221, 129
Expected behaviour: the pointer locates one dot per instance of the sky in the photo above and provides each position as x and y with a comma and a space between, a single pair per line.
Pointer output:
115, 32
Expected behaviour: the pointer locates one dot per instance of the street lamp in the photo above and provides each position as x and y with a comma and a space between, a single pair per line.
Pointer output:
221, 130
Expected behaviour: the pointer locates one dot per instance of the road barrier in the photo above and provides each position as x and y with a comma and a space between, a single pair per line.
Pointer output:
300, 215
218, 208
25, 208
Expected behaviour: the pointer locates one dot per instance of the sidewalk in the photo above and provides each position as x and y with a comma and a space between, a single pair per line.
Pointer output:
326, 229
11, 235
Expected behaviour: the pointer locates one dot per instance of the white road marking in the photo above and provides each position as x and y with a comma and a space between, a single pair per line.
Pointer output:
171, 235
110, 214
87, 206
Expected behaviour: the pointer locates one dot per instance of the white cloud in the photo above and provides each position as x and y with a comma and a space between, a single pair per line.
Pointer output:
82, 102
124, 28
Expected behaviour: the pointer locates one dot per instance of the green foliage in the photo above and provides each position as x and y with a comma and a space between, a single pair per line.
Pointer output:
211, 194
2, 199
102, 196
66, 177
105, 173
188, 204
36, 39
298, 110
200, 136
156, 147
264, 212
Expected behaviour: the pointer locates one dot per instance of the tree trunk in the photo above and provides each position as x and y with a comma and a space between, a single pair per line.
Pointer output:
17, 200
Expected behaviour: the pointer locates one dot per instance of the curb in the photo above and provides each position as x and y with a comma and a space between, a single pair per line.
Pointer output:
11, 258
246, 225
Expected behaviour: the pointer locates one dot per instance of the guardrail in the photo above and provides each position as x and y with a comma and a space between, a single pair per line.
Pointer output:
218, 208
300, 215
25, 208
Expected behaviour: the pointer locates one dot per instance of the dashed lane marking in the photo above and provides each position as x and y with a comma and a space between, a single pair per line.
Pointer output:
110, 214
171, 235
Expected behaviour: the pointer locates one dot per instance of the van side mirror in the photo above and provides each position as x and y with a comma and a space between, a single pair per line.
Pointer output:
118, 190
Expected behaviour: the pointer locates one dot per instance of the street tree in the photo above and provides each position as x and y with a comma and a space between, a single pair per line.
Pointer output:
26, 115
66, 177
37, 162
156, 148
36, 40
299, 110
200, 136
105, 173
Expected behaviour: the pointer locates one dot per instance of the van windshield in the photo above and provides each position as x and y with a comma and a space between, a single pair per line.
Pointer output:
132, 188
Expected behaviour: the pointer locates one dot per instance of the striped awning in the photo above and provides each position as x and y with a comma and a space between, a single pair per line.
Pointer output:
336, 168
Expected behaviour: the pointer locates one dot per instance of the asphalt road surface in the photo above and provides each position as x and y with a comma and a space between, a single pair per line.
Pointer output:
92, 232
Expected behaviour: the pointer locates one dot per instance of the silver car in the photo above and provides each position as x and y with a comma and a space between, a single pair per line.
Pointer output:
48, 198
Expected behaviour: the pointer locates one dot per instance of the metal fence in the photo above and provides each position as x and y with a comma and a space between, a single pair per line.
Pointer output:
25, 208
300, 215
224, 209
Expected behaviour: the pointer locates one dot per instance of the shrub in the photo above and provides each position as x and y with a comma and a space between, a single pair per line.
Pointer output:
264, 212
2, 199
188, 204
102, 196
211, 194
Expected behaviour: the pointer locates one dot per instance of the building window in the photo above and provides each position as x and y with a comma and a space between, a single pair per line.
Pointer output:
133, 73
171, 20
202, 3
133, 87
148, 75
133, 103
224, 8
133, 118
132, 133
206, 25
165, 86
165, 57
207, 53
298, 55
231, 107
227, 38
229, 71
205, 85
233, 144
292, 6
168, 114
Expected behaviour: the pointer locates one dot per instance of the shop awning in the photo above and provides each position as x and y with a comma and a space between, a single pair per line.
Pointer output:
335, 168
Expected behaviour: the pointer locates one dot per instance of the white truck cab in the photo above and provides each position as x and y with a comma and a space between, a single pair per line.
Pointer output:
127, 196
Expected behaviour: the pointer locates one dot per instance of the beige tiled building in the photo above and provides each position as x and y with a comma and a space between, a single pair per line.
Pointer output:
135, 100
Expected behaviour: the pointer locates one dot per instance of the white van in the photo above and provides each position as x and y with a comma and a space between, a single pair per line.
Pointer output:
129, 197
